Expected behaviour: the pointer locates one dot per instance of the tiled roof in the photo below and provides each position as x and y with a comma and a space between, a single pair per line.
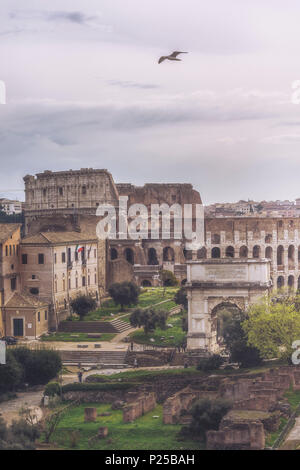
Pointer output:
47, 238
7, 230
21, 299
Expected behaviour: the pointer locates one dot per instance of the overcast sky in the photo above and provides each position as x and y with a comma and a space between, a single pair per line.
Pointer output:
84, 89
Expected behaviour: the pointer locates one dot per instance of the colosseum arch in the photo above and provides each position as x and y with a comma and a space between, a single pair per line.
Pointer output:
215, 252
201, 254
256, 251
280, 252
152, 257
244, 252
291, 255
113, 253
280, 282
168, 254
269, 252
229, 253
129, 255
291, 282
146, 283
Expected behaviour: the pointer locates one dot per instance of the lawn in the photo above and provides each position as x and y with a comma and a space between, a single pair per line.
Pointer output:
147, 298
77, 337
171, 337
143, 434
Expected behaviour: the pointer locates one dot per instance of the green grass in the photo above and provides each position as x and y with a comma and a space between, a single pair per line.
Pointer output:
147, 375
80, 337
176, 331
293, 397
143, 434
271, 437
147, 298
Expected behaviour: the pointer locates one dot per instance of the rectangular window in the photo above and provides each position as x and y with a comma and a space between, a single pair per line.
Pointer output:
6, 250
63, 257
24, 258
39, 316
46, 315
13, 283
95, 253
76, 255
55, 258
41, 258
83, 281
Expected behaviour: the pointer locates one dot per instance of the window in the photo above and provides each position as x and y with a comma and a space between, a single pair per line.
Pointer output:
24, 259
83, 281
33, 276
13, 283
83, 189
6, 250
95, 253
63, 257
34, 291
39, 316
41, 258
76, 255
55, 258
60, 191
46, 315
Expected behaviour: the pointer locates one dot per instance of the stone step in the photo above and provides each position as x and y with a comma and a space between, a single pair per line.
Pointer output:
93, 357
87, 327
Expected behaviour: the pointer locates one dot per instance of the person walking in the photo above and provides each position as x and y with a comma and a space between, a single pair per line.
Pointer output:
80, 376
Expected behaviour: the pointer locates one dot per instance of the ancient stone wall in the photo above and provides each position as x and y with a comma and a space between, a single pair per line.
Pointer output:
141, 405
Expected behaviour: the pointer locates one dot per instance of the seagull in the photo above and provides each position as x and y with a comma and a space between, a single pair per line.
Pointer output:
172, 56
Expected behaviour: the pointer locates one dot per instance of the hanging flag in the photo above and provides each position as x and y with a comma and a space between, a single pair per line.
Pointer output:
79, 248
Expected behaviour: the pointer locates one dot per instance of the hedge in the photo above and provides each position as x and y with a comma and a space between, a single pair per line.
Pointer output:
91, 387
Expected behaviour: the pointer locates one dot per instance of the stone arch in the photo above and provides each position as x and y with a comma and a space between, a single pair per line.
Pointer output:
202, 254
129, 255
291, 254
188, 255
229, 253
168, 254
152, 257
220, 312
215, 252
244, 252
256, 251
146, 283
280, 282
269, 252
280, 251
291, 282
113, 253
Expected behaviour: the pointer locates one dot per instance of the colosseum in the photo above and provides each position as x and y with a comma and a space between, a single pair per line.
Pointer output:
68, 200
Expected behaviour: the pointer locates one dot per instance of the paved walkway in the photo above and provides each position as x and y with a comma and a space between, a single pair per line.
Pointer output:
9, 410
292, 441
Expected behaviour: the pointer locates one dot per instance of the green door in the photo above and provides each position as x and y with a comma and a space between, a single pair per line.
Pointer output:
18, 327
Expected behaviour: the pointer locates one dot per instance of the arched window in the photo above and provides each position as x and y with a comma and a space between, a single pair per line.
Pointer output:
215, 239
280, 282
229, 252
201, 254
243, 252
268, 238
215, 252
256, 251
129, 255
291, 282
152, 257
280, 251
187, 254
168, 254
269, 252
113, 253
291, 254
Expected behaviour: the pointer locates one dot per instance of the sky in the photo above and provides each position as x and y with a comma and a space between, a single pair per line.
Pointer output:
84, 90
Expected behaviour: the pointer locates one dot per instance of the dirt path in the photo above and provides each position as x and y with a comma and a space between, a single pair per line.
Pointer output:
9, 410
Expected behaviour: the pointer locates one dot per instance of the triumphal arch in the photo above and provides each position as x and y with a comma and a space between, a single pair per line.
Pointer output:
218, 283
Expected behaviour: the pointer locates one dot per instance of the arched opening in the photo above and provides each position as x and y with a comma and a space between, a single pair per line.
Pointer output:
280, 282
146, 283
268, 238
256, 251
215, 252
229, 252
113, 253
244, 252
168, 254
187, 254
129, 255
291, 255
201, 254
222, 314
215, 239
291, 282
269, 252
280, 251
152, 257
183, 282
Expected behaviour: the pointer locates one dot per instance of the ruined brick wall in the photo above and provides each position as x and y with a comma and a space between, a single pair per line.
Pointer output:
237, 436
142, 404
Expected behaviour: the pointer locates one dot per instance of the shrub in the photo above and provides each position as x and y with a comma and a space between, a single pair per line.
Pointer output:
52, 389
149, 319
11, 374
210, 363
42, 366
88, 387
124, 293
82, 305
180, 297
168, 278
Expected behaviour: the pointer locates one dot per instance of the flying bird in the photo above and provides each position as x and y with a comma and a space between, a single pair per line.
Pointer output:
172, 56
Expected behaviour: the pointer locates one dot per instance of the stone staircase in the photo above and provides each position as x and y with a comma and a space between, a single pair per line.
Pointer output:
88, 357
87, 327
120, 325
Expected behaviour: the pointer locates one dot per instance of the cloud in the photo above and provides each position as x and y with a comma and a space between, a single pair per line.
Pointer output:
129, 84
71, 16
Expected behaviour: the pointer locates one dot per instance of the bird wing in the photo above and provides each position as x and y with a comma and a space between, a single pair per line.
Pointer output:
176, 53
162, 59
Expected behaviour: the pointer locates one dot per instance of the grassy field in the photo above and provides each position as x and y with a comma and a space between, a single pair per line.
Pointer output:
172, 336
80, 337
148, 297
144, 433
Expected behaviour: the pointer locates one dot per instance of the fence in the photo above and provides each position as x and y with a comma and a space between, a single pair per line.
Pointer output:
287, 428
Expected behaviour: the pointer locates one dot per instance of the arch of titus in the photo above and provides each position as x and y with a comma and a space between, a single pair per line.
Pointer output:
214, 283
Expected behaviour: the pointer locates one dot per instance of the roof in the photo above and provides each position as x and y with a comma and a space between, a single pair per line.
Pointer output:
48, 238
24, 300
7, 230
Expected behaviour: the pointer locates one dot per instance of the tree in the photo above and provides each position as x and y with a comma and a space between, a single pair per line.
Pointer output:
82, 305
124, 293
207, 364
206, 415
42, 366
180, 298
149, 319
11, 374
273, 325
168, 278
